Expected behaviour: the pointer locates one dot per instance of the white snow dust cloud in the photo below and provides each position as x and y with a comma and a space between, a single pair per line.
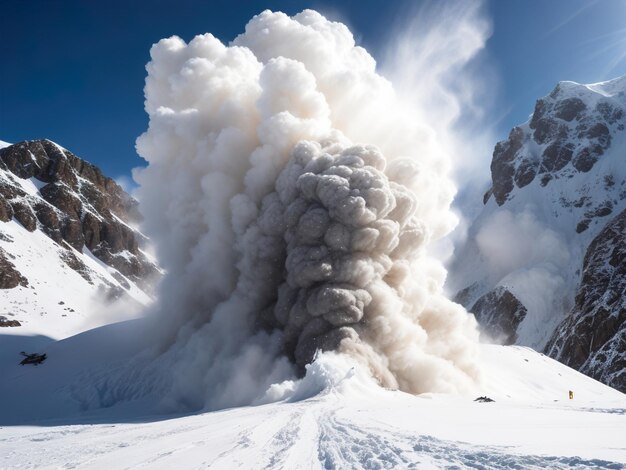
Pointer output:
511, 241
438, 62
533, 262
292, 194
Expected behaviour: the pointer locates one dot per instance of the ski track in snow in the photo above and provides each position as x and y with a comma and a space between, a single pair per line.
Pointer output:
316, 433
344, 445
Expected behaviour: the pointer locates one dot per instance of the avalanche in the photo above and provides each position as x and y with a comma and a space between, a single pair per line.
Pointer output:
294, 196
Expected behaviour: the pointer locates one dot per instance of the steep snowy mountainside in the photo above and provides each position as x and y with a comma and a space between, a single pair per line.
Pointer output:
67, 245
336, 417
557, 181
592, 338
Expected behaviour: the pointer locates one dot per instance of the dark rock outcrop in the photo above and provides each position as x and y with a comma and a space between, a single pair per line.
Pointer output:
570, 109
6, 323
592, 338
6, 211
502, 168
499, 313
24, 214
10, 277
72, 261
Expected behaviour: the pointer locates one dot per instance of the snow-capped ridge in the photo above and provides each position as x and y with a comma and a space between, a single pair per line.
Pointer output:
614, 87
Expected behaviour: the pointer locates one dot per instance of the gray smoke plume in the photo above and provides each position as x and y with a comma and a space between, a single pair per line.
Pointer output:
292, 196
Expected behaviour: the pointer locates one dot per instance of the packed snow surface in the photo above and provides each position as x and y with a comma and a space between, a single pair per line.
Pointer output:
335, 417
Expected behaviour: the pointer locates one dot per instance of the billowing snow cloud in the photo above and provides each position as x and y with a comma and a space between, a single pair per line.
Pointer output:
533, 262
292, 195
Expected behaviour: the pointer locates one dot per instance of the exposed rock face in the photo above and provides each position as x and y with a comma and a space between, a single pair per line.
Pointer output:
71, 260
592, 338
9, 276
6, 211
6, 323
47, 187
503, 166
499, 313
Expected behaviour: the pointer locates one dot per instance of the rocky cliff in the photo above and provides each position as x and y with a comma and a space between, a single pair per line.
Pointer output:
87, 218
550, 235
592, 338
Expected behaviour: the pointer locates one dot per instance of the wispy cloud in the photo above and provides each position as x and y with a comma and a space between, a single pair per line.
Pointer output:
570, 18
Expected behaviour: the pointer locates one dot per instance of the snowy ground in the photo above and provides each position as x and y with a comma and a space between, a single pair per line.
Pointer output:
346, 422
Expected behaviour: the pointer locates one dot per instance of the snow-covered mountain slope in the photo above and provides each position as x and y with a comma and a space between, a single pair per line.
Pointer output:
66, 291
557, 181
592, 338
70, 259
335, 417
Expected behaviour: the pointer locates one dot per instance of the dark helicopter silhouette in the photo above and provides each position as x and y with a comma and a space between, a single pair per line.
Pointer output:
34, 358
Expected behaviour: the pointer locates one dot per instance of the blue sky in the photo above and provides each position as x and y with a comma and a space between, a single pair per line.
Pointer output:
73, 71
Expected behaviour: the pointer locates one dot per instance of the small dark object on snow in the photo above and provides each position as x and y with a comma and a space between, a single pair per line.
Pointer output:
484, 400
34, 358
5, 323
